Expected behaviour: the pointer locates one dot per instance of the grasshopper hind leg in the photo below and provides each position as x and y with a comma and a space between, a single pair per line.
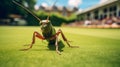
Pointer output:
64, 38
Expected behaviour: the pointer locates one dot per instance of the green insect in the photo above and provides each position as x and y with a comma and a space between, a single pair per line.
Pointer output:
48, 32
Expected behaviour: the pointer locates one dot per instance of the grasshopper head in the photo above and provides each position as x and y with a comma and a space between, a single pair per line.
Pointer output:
45, 23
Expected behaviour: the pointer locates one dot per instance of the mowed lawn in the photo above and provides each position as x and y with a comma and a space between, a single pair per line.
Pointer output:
97, 48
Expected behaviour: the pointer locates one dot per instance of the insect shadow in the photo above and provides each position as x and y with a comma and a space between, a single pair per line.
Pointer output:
52, 46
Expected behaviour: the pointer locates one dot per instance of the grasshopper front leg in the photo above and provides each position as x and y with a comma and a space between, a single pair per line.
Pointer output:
35, 34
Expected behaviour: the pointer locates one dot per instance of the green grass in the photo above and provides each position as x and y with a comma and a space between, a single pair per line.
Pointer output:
97, 48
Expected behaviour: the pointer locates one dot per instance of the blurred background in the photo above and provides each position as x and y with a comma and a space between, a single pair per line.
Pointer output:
82, 13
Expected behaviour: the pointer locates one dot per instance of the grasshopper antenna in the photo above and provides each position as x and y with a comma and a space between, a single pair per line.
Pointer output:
49, 12
27, 10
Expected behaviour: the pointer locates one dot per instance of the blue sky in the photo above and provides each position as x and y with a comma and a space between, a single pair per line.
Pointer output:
81, 4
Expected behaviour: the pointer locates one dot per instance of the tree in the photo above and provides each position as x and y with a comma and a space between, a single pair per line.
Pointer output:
8, 7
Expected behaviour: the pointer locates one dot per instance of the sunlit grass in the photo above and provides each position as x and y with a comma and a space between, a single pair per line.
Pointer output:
97, 48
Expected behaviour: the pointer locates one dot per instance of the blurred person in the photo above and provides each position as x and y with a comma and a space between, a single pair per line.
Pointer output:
118, 20
103, 21
109, 21
115, 21
87, 22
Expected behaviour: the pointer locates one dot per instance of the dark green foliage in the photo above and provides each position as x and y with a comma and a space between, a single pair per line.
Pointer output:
31, 21
57, 21
8, 7
5, 8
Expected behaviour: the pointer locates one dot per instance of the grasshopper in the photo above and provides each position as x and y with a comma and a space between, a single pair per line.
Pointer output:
48, 32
